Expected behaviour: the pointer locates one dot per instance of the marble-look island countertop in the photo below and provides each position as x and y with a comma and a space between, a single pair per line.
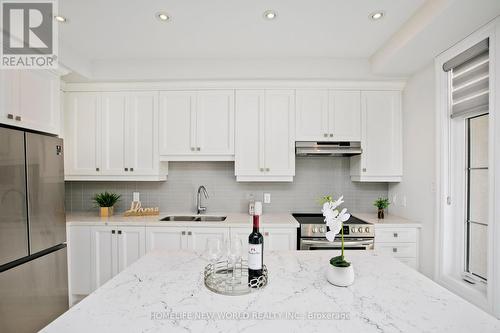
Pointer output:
165, 292
275, 220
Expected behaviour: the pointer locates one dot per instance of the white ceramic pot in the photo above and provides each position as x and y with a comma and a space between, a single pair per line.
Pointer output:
340, 276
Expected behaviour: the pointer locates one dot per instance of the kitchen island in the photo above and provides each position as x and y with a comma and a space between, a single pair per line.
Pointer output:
165, 292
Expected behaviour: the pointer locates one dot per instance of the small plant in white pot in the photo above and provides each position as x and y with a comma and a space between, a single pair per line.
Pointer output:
340, 272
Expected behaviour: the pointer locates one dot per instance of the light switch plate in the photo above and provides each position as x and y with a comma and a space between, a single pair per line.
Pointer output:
267, 198
137, 196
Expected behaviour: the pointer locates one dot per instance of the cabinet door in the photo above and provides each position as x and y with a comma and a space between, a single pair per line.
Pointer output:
9, 96
381, 134
249, 146
215, 122
345, 115
198, 237
39, 100
82, 134
141, 145
165, 238
279, 239
131, 245
177, 123
279, 133
104, 252
79, 260
114, 133
312, 115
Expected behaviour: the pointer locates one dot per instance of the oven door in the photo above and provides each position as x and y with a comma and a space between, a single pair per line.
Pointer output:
349, 244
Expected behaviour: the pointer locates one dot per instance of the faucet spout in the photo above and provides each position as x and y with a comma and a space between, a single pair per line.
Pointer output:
201, 209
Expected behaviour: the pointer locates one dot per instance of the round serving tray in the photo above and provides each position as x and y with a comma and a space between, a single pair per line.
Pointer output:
221, 279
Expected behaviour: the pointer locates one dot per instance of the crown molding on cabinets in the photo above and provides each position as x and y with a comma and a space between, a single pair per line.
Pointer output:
236, 84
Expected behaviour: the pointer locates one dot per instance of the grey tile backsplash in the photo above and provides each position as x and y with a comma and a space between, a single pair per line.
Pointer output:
314, 178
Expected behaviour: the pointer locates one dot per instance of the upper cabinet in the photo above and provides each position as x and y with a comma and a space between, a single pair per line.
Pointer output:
381, 138
112, 136
30, 99
265, 135
328, 115
197, 125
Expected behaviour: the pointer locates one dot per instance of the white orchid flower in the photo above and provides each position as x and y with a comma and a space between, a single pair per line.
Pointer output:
333, 218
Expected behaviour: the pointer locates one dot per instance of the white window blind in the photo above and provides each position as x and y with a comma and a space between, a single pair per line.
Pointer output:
469, 73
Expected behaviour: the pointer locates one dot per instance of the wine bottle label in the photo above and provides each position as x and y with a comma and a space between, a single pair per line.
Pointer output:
255, 256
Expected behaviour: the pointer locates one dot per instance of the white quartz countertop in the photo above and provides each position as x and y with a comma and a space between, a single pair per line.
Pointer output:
389, 221
279, 220
165, 292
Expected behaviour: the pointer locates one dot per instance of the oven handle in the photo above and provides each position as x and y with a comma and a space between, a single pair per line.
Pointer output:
330, 244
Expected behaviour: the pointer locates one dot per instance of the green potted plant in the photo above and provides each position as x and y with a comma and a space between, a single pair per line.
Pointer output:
105, 201
381, 204
340, 272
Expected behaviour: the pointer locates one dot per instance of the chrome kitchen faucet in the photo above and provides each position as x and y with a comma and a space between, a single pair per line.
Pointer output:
200, 209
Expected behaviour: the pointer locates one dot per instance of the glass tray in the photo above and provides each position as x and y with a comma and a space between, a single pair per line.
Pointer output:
219, 279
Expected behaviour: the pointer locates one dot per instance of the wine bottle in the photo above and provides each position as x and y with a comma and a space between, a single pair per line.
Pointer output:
255, 251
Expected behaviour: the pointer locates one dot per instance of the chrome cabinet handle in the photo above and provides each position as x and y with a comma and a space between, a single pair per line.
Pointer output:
119, 232
112, 231
10, 116
126, 169
395, 235
198, 148
261, 169
364, 169
192, 148
325, 135
266, 233
131, 169
267, 169
394, 249
331, 135
18, 118
96, 169
189, 233
183, 233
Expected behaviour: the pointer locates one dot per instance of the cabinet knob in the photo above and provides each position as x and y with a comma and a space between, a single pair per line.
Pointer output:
266, 233
18, 118
364, 169
112, 231
126, 169
119, 232
10, 116
183, 233
331, 135
189, 233
261, 169
394, 249
267, 169
198, 148
395, 235
131, 169
192, 148
97, 169
325, 135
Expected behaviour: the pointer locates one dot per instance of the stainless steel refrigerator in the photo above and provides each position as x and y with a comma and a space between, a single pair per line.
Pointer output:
33, 262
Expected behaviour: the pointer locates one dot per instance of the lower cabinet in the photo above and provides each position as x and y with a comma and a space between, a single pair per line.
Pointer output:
275, 239
399, 242
182, 238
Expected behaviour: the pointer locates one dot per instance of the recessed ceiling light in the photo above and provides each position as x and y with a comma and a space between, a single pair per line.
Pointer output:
270, 15
377, 15
162, 16
59, 18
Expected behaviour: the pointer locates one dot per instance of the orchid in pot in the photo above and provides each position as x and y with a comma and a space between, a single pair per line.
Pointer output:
340, 272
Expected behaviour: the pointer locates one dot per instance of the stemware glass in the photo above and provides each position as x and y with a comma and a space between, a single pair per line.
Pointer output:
234, 253
214, 250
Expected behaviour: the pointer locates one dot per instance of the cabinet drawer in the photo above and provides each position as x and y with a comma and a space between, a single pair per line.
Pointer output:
412, 262
398, 250
400, 235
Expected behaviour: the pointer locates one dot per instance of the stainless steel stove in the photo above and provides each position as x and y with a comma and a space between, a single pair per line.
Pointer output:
358, 234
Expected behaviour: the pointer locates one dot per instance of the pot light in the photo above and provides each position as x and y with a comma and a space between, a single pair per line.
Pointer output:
59, 18
270, 15
377, 15
162, 16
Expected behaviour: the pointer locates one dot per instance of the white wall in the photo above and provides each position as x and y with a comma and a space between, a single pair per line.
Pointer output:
415, 195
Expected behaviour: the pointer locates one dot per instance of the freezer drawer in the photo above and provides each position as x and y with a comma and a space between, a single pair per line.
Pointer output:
13, 212
47, 220
34, 293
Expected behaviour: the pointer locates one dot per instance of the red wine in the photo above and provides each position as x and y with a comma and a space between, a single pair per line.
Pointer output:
255, 251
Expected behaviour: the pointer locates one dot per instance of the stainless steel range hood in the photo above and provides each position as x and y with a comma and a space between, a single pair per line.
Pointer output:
323, 148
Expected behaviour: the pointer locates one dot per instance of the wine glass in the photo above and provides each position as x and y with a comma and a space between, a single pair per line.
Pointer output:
235, 249
214, 250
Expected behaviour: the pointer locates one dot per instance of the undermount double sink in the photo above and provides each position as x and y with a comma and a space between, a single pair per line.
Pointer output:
192, 218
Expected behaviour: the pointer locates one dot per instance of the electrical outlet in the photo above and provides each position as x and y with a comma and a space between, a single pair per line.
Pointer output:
267, 198
137, 196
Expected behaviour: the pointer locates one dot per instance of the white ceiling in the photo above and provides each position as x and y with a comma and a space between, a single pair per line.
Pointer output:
128, 29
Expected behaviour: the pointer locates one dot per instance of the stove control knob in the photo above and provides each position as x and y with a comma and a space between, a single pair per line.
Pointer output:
353, 229
367, 230
360, 229
315, 230
322, 230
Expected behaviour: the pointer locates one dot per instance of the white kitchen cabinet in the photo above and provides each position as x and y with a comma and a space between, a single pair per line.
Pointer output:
197, 125
381, 138
183, 238
113, 248
30, 99
79, 261
112, 136
328, 115
280, 239
265, 135
398, 242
